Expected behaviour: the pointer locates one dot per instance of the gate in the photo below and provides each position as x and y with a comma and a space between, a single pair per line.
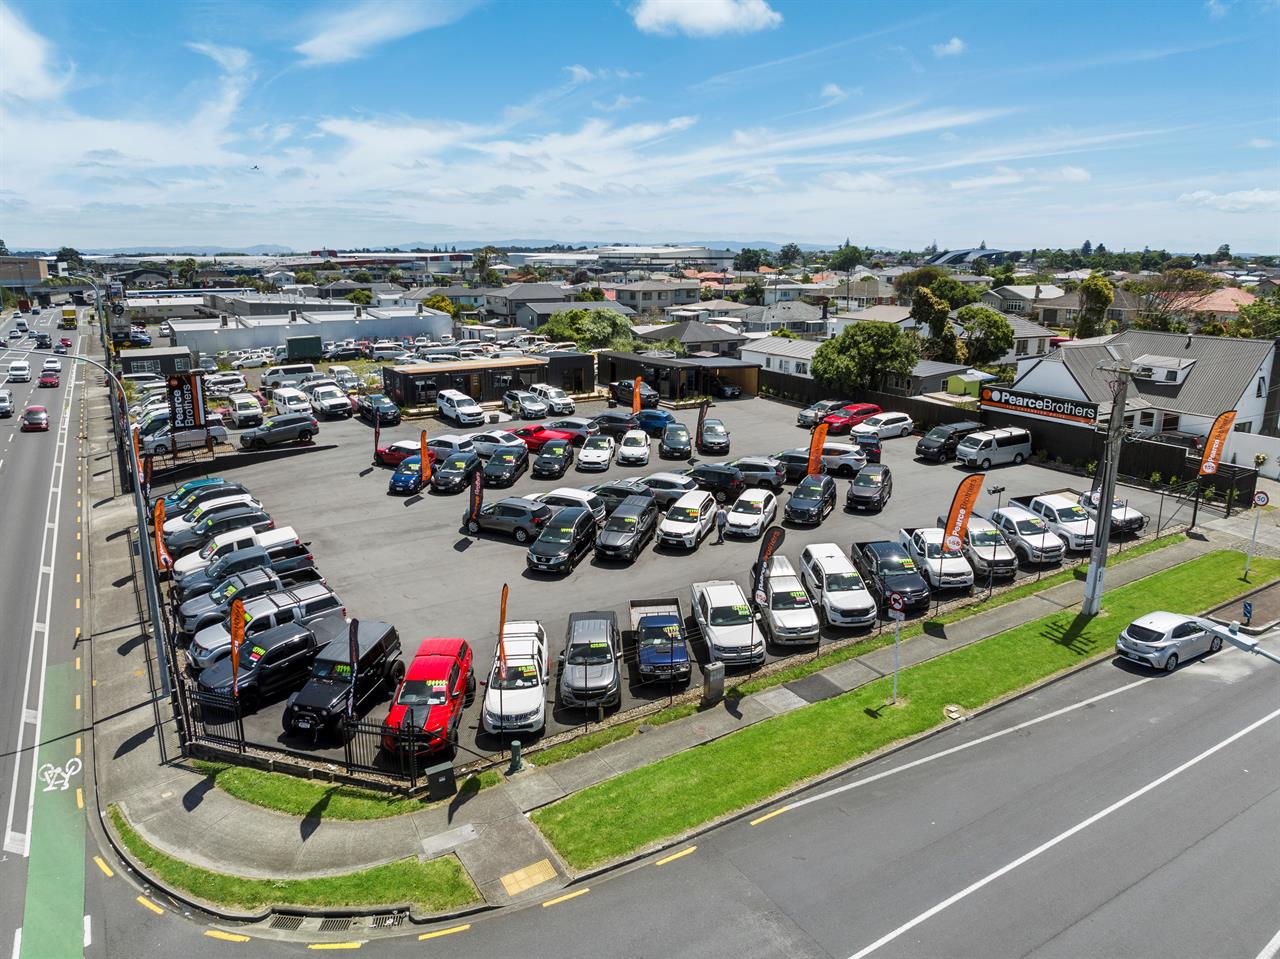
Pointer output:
216, 718
383, 750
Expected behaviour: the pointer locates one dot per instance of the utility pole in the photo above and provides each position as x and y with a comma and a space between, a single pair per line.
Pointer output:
1121, 370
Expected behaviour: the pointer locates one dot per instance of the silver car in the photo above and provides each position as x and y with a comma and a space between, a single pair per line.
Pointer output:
486, 444
1162, 640
523, 403
6, 402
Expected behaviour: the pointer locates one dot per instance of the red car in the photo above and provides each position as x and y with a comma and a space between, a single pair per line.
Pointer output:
49, 379
844, 419
65, 341
393, 454
438, 685
35, 419
535, 436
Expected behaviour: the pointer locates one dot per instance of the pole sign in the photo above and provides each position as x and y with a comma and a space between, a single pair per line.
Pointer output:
770, 543
1034, 404
1217, 442
425, 455
1261, 499
1248, 611
477, 495
353, 651
163, 559
635, 395
237, 640
186, 401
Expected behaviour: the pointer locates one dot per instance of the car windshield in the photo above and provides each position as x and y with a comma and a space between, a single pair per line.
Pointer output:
713, 429
456, 463
1072, 514
514, 677
897, 564
504, 458
227, 591
331, 669
1031, 525
633, 441
738, 614
557, 534
659, 637
423, 692
409, 467
556, 448
935, 550
620, 524
868, 479
554, 393
807, 494
939, 433
683, 514
676, 432
208, 550
589, 654
596, 443
984, 537
789, 599
843, 582
748, 506
1144, 634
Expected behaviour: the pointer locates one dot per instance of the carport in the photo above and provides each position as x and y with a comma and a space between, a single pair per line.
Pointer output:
483, 380
676, 378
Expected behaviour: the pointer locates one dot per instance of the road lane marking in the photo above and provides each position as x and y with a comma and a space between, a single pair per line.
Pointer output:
77, 664
77, 745
1063, 836
443, 932
335, 945
88, 932
1271, 949
17, 942
769, 815
225, 936
102, 864
151, 905
826, 794
678, 855
566, 897
79, 798
77, 702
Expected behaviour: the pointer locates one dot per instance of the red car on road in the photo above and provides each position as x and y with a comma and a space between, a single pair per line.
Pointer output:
535, 436
847, 417
35, 419
65, 341
438, 685
393, 454
49, 379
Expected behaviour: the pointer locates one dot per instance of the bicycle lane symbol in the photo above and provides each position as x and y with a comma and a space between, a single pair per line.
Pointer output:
59, 777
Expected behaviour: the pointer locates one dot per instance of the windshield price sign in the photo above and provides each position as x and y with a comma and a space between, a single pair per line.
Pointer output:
186, 401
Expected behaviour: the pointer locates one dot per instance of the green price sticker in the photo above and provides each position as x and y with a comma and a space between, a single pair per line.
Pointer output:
342, 669
739, 608
256, 653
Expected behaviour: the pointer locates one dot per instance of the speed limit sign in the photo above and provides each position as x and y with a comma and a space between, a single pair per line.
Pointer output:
1261, 499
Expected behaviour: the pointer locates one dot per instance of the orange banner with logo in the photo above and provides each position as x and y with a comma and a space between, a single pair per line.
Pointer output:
237, 640
1217, 442
635, 395
164, 561
502, 628
816, 441
137, 456
961, 509
426, 460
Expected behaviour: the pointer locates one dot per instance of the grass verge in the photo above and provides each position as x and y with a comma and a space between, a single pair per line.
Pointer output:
440, 885
302, 797
636, 809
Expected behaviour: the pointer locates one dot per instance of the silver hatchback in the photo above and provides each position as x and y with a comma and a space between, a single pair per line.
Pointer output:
1163, 640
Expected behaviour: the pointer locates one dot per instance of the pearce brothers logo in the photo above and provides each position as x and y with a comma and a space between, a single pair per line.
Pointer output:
1052, 407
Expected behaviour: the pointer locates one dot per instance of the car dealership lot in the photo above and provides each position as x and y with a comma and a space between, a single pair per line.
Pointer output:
408, 561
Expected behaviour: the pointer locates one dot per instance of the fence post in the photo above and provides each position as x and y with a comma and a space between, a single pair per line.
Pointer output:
1231, 492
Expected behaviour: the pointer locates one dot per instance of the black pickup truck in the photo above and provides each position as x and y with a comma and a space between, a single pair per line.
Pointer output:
318, 707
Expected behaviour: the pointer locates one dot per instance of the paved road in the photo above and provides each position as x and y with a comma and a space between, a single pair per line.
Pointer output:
41, 729
1116, 813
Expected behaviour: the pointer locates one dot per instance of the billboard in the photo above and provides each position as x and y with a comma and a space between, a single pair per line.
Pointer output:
186, 401
1034, 404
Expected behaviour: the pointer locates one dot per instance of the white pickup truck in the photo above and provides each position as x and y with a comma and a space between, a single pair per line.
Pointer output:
942, 567
1064, 516
1124, 518
516, 695
987, 552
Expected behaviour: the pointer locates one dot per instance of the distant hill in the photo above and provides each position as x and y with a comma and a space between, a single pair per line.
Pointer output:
195, 249
609, 241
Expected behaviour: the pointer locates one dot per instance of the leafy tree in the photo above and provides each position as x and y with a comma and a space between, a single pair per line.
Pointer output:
863, 355
305, 276
243, 279
441, 303
579, 277
593, 295
907, 283
929, 309
1260, 319
1096, 295
789, 254
360, 297
708, 293
845, 259
362, 276
748, 260
1180, 263
4, 250
956, 294
754, 292
188, 269
1170, 297
590, 329
783, 333
395, 276
988, 334
946, 348
70, 256
1086, 248
1224, 252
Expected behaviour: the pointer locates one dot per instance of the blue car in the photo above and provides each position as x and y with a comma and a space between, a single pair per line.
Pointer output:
139, 339
408, 476
181, 493
654, 422
662, 652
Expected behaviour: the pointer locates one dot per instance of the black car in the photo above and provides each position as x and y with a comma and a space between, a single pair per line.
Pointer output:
276, 661
940, 443
870, 444
713, 438
628, 528
623, 389
812, 499
675, 443
612, 423
553, 459
454, 472
505, 466
795, 464
191, 539
388, 412
318, 707
721, 481
725, 389
887, 569
615, 492
564, 540
343, 353
871, 488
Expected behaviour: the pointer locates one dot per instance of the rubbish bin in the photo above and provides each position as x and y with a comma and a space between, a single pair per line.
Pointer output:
712, 683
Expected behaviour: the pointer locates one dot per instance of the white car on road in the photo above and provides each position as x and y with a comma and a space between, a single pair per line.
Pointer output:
752, 513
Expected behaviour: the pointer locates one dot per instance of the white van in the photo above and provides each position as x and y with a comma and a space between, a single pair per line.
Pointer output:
245, 410
19, 371
386, 350
289, 400
459, 407
286, 375
141, 378
229, 542
21, 325
994, 448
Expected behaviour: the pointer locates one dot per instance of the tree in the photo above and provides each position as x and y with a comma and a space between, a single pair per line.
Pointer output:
956, 294
1168, 299
863, 355
70, 256
1096, 295
783, 333
845, 259
754, 292
988, 334
1260, 319
946, 348
188, 269
790, 253
907, 283
708, 293
590, 329
748, 260
304, 276
394, 276
360, 297
929, 309
362, 276
593, 295
441, 303
1086, 248
4, 250
1224, 252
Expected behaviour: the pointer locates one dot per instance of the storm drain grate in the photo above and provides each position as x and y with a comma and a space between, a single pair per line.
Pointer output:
335, 925
290, 923
385, 921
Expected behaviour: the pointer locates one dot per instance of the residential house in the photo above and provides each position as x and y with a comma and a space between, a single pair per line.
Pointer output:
339, 289
803, 319
781, 355
862, 292
1061, 311
1029, 339
467, 297
928, 376
533, 315
1020, 299
783, 292
695, 337
279, 278
1220, 306
648, 296
710, 309
505, 301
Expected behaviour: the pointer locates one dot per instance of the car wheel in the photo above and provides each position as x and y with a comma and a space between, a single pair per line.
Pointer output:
304, 436
906, 431
396, 673
471, 689
259, 444
720, 496
161, 449
1171, 663
473, 527
522, 535
986, 464
1215, 644
1017, 459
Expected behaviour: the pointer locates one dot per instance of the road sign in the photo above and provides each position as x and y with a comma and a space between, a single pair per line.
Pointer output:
897, 601
897, 614
1248, 611
1261, 499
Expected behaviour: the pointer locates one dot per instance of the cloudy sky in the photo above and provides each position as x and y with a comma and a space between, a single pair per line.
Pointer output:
379, 122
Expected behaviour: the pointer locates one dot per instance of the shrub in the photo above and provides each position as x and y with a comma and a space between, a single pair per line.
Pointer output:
1259, 460
1156, 478
1091, 467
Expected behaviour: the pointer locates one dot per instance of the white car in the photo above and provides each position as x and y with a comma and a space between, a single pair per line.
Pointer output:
634, 449
224, 383
557, 400
1066, 518
494, 441
52, 364
162, 441
251, 361
835, 586
447, 443
788, 615
596, 453
752, 513
288, 400
843, 459
886, 425
1028, 535
943, 566
177, 524
515, 698
328, 400
1124, 518
688, 520
727, 624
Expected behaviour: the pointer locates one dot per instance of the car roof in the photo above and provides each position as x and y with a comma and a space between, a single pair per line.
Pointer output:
1161, 620
814, 479
830, 555
571, 514
875, 468
590, 626
721, 591
695, 497
756, 460
1015, 512
886, 548
752, 495
669, 476
634, 503
280, 633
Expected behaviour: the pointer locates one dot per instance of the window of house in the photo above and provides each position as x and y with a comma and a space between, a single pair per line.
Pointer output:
768, 362
1170, 376
1020, 348
1262, 386
1147, 418
784, 366
802, 367
1014, 306
646, 296
146, 366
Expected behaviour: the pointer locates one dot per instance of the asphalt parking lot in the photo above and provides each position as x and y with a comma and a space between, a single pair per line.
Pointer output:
409, 562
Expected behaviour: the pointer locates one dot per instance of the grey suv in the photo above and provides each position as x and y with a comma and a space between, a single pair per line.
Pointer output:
284, 428
628, 528
6, 402
590, 666
515, 516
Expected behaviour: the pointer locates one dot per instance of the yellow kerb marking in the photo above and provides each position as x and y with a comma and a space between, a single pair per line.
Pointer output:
769, 815
102, 864
151, 905
565, 898
678, 855
443, 932
225, 936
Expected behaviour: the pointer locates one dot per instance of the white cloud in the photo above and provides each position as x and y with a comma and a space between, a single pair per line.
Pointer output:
231, 59
579, 74
952, 48
619, 102
704, 18
834, 93
857, 182
1217, 8
1261, 143
27, 71
1008, 176
1237, 201
948, 137
353, 32
1073, 174
1004, 176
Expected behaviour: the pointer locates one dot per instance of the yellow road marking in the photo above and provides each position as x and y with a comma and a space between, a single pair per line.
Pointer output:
77, 577
565, 898
79, 798
674, 856
769, 815
77, 632
77, 664
77, 701
151, 905
77, 602
335, 945
77, 556
102, 864
225, 936
443, 932
77, 745
77, 536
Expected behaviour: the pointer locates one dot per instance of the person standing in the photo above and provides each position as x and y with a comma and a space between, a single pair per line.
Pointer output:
722, 520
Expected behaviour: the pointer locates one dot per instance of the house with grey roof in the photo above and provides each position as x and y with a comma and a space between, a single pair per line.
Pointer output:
647, 296
468, 297
795, 358
1061, 311
1020, 298
504, 301
533, 315
796, 316
1029, 339
695, 337
709, 310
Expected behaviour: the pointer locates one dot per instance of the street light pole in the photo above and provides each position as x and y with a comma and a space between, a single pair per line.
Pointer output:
1122, 369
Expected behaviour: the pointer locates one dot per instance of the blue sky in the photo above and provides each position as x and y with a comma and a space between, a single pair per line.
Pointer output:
371, 123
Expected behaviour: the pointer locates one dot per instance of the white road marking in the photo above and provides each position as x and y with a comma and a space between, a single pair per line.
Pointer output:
963, 746
88, 932
17, 943
1064, 836
1271, 949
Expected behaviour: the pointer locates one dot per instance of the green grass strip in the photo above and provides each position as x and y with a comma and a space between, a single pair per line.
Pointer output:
641, 807
440, 885
303, 797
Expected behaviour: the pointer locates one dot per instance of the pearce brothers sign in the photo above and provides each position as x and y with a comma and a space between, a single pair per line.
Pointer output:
1034, 404
186, 402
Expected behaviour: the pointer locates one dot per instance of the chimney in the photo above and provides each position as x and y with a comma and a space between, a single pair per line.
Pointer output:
293, 316
359, 311
222, 317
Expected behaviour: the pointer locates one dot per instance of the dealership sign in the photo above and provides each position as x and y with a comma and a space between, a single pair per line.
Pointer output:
186, 401
1034, 404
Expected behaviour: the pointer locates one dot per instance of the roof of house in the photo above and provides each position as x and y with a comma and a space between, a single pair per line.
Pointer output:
781, 346
1223, 369
882, 314
518, 291
730, 305
1032, 291
652, 286
690, 331
1229, 299
790, 311
925, 368
1123, 300
547, 307
427, 292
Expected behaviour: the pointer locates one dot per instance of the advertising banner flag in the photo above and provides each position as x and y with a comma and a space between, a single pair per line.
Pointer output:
426, 459
186, 401
702, 417
164, 561
770, 543
237, 640
353, 652
816, 441
1216, 443
962, 502
477, 495
377, 433
635, 395
502, 628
